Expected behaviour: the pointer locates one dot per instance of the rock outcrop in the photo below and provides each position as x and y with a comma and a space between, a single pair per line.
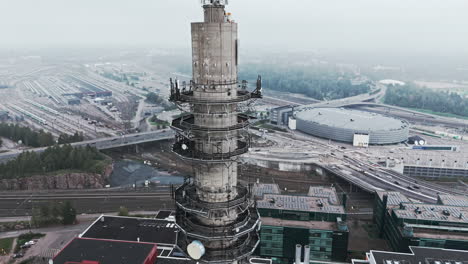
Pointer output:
59, 182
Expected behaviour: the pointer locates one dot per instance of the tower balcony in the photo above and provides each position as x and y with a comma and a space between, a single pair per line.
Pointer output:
187, 122
185, 148
242, 248
188, 97
187, 199
245, 223
185, 94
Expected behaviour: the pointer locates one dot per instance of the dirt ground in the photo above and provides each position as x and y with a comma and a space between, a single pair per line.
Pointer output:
363, 236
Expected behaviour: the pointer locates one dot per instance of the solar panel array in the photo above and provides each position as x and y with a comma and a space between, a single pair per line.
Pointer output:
298, 203
259, 189
324, 192
433, 212
454, 200
443, 261
395, 198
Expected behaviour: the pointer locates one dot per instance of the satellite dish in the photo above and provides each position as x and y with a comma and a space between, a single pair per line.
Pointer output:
196, 250
184, 147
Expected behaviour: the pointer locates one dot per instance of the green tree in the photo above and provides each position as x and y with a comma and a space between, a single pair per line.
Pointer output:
68, 213
123, 211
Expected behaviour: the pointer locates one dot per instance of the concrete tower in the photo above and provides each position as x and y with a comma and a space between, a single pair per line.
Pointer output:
215, 213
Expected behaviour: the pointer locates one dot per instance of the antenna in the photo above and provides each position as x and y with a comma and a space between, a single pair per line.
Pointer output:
214, 2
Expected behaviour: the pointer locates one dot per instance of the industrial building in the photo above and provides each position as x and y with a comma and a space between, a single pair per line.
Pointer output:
280, 115
72, 100
406, 223
215, 213
352, 126
315, 221
114, 239
417, 255
106, 252
431, 173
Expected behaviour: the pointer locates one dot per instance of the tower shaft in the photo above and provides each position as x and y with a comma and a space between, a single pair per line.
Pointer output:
213, 209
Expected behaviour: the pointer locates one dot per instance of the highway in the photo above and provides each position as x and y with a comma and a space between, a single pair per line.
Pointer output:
297, 149
106, 143
371, 178
87, 201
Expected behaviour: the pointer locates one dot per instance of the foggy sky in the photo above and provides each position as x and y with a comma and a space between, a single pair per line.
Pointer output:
436, 26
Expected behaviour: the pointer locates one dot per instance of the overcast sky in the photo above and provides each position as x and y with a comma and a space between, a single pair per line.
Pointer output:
375, 25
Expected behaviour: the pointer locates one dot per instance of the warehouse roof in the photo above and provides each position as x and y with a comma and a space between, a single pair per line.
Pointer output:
105, 252
133, 229
350, 119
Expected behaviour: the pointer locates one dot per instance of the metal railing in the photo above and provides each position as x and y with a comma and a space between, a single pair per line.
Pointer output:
188, 97
246, 223
189, 152
188, 123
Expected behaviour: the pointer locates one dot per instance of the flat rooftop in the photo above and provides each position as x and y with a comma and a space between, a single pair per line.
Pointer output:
454, 200
394, 198
259, 189
298, 203
318, 225
105, 251
433, 212
420, 255
350, 119
133, 229
324, 192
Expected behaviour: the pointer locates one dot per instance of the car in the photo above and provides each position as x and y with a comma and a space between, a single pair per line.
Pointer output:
25, 246
416, 187
396, 182
410, 188
19, 255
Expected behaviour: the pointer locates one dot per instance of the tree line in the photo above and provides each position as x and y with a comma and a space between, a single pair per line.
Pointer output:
33, 138
156, 99
321, 83
53, 213
55, 158
412, 96
67, 139
28, 136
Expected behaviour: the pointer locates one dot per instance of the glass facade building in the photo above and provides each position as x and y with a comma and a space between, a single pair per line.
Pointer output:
317, 221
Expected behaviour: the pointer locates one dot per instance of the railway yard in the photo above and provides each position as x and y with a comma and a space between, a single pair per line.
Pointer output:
84, 98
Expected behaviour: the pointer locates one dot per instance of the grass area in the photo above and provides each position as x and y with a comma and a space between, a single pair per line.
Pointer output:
438, 113
5, 245
22, 239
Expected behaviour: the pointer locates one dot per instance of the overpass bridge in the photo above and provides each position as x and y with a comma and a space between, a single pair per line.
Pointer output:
104, 143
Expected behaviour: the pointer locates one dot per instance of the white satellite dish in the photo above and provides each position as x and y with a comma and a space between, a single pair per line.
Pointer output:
196, 250
184, 147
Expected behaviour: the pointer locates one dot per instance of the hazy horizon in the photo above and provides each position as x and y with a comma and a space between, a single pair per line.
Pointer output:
398, 26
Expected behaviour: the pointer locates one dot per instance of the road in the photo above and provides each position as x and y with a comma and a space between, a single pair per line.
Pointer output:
299, 149
106, 143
